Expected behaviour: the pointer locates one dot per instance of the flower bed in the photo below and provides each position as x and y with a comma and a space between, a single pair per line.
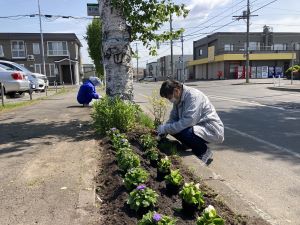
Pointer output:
119, 205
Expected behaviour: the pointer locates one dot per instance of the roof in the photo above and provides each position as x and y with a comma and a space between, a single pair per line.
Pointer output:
37, 36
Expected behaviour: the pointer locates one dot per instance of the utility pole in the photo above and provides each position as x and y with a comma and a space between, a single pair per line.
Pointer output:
171, 42
182, 65
292, 72
42, 40
137, 61
246, 15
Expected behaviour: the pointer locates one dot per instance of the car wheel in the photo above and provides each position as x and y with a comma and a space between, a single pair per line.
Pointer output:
11, 94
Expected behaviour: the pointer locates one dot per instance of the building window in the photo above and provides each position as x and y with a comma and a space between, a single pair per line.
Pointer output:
1, 51
296, 46
37, 68
52, 70
200, 52
57, 48
253, 46
18, 49
228, 47
36, 48
279, 47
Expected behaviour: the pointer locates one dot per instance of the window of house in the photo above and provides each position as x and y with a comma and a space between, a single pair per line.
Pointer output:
37, 68
228, 47
52, 70
296, 46
1, 51
253, 46
36, 48
57, 48
279, 47
18, 49
200, 52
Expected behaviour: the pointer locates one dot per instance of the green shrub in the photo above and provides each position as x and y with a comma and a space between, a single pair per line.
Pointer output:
153, 218
174, 178
114, 112
134, 177
127, 160
192, 194
148, 141
145, 120
210, 217
142, 197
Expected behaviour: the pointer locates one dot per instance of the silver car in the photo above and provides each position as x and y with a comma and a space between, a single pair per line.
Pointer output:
36, 83
13, 81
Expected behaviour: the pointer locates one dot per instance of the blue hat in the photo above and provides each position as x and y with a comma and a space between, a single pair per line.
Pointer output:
95, 80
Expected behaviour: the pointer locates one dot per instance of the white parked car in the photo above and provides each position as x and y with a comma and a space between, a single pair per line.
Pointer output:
13, 81
37, 84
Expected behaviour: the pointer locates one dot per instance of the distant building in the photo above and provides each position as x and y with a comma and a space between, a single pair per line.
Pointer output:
89, 70
222, 55
61, 50
140, 75
151, 69
162, 68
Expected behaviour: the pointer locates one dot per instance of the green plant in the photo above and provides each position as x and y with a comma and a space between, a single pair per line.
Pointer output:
159, 108
148, 141
113, 112
152, 154
142, 197
192, 194
174, 178
134, 177
127, 160
145, 120
164, 165
210, 217
154, 218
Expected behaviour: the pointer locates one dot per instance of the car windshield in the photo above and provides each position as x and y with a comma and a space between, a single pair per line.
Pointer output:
21, 68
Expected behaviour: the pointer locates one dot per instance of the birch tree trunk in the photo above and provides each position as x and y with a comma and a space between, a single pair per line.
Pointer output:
117, 52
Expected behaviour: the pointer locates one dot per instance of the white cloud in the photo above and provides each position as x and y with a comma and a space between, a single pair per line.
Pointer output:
203, 7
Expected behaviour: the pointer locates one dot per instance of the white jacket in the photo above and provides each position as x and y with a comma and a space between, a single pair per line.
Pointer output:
195, 110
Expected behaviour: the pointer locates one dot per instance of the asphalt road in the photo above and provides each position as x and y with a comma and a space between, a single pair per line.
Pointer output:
47, 161
260, 158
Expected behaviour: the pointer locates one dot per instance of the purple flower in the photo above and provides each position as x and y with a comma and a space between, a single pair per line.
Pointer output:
123, 140
113, 129
141, 187
157, 217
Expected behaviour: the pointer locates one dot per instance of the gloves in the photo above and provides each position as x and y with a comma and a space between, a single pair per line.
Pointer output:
161, 130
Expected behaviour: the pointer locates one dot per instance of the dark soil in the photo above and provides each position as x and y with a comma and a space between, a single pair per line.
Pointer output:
115, 211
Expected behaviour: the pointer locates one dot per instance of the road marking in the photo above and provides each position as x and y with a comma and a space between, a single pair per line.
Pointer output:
273, 146
244, 102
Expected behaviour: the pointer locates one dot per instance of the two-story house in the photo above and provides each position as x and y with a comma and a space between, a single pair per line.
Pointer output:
223, 54
61, 54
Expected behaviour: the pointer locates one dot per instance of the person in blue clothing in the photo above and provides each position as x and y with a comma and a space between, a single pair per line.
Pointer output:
87, 91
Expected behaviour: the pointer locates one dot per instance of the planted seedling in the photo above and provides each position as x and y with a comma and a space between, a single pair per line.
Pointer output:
128, 160
174, 181
210, 217
192, 198
163, 168
142, 199
134, 177
154, 218
153, 155
148, 141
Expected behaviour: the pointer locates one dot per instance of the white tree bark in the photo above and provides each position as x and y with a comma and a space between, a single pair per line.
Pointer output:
116, 52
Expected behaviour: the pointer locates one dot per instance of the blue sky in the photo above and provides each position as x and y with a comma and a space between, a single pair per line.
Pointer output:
205, 17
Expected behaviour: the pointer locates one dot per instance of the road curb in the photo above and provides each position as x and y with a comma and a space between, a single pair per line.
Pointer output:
284, 89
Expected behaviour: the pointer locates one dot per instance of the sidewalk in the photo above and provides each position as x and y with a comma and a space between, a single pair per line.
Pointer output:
48, 159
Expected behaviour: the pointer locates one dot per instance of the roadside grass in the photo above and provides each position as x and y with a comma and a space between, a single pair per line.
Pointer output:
15, 105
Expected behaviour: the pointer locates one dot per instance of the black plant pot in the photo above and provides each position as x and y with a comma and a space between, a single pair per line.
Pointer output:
173, 189
161, 175
153, 163
188, 208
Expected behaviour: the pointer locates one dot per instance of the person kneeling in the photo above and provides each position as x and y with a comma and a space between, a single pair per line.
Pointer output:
193, 120
87, 91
